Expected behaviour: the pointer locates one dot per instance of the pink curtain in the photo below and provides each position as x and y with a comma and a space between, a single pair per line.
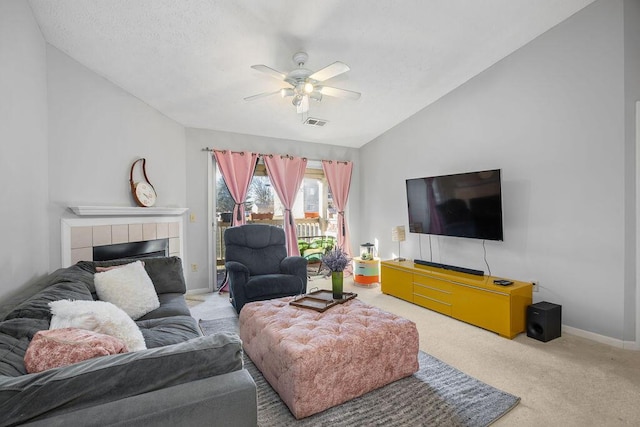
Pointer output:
339, 176
237, 169
286, 174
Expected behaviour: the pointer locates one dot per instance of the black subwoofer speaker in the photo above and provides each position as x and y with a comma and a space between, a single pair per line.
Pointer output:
544, 320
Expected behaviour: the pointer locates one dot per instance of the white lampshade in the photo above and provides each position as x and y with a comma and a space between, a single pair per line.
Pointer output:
397, 234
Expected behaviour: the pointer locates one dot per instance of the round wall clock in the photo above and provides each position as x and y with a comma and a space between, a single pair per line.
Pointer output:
143, 192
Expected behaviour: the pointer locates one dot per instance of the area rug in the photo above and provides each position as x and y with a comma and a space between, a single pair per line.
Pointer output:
436, 395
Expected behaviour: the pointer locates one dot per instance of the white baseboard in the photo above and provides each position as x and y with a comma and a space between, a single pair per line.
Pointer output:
614, 342
631, 345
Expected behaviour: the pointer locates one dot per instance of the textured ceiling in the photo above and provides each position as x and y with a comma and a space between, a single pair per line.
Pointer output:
191, 59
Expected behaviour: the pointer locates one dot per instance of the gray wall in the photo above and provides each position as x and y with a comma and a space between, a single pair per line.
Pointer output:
96, 131
23, 148
552, 117
632, 95
197, 139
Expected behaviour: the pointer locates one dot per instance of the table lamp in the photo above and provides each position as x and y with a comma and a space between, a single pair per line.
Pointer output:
398, 235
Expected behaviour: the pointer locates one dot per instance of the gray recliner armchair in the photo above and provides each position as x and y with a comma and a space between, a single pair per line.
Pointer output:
258, 267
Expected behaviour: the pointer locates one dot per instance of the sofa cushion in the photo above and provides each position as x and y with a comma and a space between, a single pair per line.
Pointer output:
113, 267
171, 304
70, 274
12, 352
15, 335
128, 287
166, 272
37, 307
98, 316
61, 347
168, 330
107, 379
167, 275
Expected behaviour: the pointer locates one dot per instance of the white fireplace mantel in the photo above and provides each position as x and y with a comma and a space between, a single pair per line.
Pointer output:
126, 211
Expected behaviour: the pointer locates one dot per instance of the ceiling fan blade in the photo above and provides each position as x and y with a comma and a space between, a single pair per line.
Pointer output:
330, 71
261, 95
338, 93
270, 71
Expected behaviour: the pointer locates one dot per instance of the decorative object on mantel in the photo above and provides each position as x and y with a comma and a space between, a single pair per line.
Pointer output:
336, 260
398, 235
143, 192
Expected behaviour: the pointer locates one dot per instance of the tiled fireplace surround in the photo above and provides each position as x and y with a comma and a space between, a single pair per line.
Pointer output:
80, 235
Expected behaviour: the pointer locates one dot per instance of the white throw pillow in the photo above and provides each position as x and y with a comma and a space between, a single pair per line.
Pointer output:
129, 287
97, 316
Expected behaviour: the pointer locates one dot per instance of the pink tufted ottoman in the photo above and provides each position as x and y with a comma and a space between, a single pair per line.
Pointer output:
318, 360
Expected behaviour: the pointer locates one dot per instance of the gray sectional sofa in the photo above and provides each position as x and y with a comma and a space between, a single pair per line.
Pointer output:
182, 378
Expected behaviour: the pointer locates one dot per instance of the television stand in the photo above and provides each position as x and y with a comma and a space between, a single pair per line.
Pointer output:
472, 298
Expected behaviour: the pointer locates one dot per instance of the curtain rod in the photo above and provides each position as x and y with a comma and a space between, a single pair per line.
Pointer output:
207, 149
337, 161
211, 150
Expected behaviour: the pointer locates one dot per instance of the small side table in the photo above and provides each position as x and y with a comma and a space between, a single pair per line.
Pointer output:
366, 272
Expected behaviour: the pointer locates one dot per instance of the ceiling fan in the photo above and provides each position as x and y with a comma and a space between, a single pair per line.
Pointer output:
306, 84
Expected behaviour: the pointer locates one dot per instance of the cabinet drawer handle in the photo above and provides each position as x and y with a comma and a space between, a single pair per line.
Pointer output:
433, 289
483, 290
432, 299
437, 278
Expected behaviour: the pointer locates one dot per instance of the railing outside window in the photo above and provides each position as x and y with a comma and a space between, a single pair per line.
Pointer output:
305, 228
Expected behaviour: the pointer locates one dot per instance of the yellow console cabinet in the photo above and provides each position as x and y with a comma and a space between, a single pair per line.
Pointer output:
467, 297
396, 282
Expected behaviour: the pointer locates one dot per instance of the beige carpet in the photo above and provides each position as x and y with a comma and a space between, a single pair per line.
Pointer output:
570, 381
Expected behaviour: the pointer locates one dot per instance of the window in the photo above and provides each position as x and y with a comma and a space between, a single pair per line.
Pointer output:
313, 201
313, 209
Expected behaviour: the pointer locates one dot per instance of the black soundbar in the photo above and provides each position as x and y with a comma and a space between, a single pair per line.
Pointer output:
450, 267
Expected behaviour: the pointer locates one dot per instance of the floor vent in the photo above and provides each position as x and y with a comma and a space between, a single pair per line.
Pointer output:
315, 122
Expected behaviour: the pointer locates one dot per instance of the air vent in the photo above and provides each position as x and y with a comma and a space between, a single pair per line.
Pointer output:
315, 122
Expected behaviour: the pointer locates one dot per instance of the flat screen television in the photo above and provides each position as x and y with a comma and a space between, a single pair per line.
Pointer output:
459, 205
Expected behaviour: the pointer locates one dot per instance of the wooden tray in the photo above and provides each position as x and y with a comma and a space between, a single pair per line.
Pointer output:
321, 300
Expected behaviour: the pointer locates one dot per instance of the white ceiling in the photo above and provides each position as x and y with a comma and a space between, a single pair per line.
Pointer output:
191, 59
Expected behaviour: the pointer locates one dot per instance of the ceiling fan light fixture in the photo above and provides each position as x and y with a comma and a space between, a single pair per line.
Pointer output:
305, 84
316, 96
286, 91
308, 87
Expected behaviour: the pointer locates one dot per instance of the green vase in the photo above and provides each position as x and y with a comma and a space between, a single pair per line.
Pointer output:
336, 284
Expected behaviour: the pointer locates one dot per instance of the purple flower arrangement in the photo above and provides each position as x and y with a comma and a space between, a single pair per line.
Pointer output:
336, 259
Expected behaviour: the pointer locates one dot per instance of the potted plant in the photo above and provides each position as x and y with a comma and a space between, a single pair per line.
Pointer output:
336, 260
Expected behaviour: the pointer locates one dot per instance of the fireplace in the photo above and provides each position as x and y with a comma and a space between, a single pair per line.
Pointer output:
155, 231
149, 248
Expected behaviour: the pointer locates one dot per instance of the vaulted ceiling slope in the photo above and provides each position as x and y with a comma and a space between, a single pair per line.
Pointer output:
191, 59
